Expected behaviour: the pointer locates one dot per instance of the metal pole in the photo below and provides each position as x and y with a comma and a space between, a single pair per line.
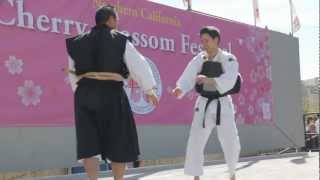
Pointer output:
189, 5
291, 16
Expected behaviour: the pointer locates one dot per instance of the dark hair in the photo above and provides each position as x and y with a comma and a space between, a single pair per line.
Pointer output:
309, 119
211, 31
104, 13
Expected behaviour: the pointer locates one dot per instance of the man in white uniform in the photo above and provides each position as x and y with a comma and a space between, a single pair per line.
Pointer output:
218, 112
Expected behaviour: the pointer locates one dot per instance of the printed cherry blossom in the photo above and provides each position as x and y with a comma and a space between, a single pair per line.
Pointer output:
259, 57
250, 110
269, 73
253, 95
258, 105
14, 65
242, 100
266, 61
260, 73
250, 43
269, 95
30, 93
253, 76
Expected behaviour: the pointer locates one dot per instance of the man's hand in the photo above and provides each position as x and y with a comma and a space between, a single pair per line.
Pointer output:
201, 79
153, 99
176, 92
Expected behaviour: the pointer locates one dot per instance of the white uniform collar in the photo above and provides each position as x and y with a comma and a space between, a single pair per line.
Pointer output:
204, 55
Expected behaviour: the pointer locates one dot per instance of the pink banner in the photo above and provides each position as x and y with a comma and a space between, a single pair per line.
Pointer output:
35, 92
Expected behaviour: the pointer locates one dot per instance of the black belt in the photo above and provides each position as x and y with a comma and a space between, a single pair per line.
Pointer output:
218, 113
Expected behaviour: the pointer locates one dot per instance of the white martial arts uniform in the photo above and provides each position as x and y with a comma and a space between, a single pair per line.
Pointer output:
227, 130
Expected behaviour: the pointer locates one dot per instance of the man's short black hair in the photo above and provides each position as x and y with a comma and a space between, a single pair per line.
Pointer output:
104, 13
211, 31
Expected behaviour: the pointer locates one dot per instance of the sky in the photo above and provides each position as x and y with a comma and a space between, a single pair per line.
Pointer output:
276, 15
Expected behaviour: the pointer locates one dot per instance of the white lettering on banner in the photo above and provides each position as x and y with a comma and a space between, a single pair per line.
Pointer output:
43, 23
67, 24
166, 44
186, 46
57, 25
81, 27
184, 43
55, 22
12, 21
153, 42
144, 40
43, 19
229, 49
22, 15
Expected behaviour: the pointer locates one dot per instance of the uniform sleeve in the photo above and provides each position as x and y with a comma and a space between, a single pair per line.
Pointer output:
227, 80
187, 80
139, 68
73, 79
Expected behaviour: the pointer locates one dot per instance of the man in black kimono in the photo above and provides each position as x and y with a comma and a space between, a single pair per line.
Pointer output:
105, 126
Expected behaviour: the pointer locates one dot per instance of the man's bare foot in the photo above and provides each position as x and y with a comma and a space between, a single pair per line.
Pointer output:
233, 177
196, 178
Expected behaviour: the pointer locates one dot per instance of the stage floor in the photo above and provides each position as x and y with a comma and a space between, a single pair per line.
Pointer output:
296, 166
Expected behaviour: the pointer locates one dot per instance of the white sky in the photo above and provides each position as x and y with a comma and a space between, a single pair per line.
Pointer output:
276, 15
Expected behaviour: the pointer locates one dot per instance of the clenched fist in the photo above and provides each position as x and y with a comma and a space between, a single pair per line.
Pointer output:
153, 99
201, 79
176, 92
